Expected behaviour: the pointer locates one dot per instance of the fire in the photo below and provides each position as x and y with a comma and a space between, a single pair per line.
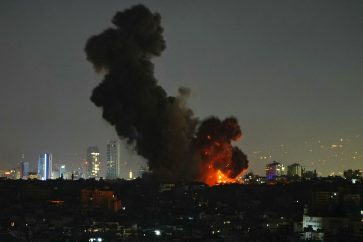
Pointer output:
222, 162
221, 178
215, 177
218, 157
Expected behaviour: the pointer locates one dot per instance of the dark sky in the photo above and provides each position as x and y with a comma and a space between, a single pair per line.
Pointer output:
290, 71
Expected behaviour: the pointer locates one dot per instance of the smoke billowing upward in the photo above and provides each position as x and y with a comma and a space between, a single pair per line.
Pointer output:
162, 127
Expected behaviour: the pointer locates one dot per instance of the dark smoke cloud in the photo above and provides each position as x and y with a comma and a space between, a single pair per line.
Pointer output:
161, 127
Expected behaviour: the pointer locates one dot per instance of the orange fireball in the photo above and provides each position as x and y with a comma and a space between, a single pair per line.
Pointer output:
221, 162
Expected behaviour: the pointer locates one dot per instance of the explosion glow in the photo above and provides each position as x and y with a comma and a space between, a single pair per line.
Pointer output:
223, 163
178, 146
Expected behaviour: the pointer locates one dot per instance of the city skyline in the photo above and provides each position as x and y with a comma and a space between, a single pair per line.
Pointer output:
81, 165
293, 85
122, 166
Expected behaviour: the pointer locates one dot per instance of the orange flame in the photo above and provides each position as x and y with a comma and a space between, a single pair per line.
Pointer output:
216, 177
221, 161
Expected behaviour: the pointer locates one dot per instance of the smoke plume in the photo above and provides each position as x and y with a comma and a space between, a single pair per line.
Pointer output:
162, 127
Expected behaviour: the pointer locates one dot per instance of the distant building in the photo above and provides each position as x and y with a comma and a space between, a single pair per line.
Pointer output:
84, 169
24, 169
62, 171
113, 160
93, 162
45, 166
294, 170
309, 175
131, 175
100, 199
274, 170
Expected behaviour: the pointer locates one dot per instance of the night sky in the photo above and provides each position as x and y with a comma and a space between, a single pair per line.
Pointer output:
290, 71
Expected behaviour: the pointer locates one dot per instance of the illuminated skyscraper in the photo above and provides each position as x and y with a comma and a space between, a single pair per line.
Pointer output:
45, 166
275, 169
113, 159
93, 162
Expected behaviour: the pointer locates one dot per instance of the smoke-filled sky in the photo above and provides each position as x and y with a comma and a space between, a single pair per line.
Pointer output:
289, 71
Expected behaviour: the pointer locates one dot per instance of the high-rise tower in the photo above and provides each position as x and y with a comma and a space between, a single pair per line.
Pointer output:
93, 162
45, 166
113, 159
24, 168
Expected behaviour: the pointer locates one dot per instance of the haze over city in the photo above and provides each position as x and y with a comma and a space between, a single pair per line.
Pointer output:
289, 71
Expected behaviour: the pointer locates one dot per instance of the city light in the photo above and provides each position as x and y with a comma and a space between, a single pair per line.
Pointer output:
95, 239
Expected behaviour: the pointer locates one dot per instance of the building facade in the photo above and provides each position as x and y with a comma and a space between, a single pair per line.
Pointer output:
330, 214
93, 162
113, 160
294, 170
100, 199
274, 169
24, 169
45, 166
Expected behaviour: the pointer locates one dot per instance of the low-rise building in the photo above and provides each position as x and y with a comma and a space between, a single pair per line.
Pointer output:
100, 198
